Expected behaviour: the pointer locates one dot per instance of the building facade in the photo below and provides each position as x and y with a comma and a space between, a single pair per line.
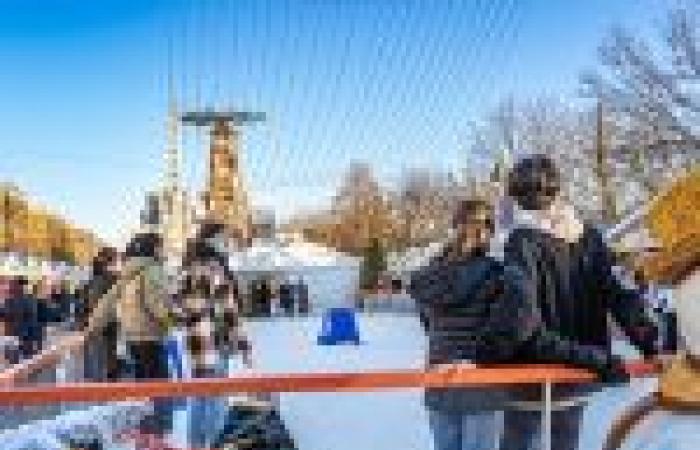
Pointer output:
33, 231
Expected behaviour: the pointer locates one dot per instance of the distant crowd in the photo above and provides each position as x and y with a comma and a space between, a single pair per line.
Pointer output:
32, 313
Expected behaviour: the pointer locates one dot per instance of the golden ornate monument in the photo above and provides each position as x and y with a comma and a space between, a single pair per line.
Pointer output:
226, 199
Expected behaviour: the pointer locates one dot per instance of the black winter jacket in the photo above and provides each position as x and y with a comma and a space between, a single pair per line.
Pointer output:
575, 291
467, 308
472, 310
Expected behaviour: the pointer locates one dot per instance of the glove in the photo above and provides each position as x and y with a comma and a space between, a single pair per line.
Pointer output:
613, 371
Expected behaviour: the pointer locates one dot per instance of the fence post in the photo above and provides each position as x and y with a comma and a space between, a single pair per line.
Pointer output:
547, 416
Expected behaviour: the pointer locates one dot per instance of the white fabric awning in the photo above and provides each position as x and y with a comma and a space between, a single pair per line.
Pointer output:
412, 258
272, 256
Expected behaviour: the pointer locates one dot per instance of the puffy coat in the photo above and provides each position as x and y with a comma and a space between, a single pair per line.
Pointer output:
138, 302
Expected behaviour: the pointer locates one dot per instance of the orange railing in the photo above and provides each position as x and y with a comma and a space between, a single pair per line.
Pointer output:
465, 376
456, 376
16, 388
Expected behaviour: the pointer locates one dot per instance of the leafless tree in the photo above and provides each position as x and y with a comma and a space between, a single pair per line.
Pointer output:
422, 205
651, 92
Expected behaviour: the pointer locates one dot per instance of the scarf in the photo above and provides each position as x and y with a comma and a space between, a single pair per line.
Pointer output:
560, 220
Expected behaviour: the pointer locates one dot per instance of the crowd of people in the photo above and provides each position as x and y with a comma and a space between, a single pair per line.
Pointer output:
137, 307
270, 297
32, 312
130, 310
547, 300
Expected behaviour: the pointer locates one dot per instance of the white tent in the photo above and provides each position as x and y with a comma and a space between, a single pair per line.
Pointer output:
402, 264
331, 277
14, 264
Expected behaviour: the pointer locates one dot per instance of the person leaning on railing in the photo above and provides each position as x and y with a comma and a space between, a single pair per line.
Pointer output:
566, 273
468, 316
477, 309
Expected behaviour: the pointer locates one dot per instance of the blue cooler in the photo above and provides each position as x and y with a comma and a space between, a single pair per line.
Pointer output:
339, 326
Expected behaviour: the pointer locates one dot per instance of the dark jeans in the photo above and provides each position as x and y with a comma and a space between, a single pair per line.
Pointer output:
150, 361
521, 429
101, 362
287, 306
30, 344
468, 430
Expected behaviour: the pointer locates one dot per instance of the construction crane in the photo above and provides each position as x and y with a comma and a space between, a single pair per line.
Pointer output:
225, 197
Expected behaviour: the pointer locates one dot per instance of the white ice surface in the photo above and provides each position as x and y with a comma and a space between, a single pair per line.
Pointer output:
380, 420
396, 419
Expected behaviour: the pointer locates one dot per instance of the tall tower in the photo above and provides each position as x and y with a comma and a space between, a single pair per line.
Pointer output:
173, 202
226, 199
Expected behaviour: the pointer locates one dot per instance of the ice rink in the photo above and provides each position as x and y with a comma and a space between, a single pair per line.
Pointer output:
397, 419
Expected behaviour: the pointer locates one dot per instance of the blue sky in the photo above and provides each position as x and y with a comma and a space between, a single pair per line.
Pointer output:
396, 83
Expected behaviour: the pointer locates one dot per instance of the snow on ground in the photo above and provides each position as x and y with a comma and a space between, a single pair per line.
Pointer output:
338, 421
396, 419
381, 420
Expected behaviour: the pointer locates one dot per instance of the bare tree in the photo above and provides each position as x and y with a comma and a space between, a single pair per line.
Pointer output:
360, 210
652, 94
566, 132
422, 207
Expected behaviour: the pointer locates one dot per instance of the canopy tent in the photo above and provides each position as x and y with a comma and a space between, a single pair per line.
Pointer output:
331, 277
14, 264
402, 264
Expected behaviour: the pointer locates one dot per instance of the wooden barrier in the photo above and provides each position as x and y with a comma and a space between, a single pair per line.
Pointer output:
464, 376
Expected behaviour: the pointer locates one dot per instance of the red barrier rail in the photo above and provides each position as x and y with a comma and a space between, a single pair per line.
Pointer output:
465, 376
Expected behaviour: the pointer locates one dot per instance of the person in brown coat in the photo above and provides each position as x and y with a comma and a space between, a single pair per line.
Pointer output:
139, 303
